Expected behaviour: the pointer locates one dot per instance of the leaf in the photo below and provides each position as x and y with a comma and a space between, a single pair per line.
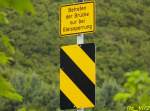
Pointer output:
122, 96
7, 91
144, 99
3, 58
3, 18
4, 3
137, 87
7, 44
22, 109
22, 6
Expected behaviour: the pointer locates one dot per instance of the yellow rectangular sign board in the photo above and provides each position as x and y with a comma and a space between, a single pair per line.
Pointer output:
77, 76
77, 18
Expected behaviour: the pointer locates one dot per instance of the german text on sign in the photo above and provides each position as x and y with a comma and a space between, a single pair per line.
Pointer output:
77, 18
77, 76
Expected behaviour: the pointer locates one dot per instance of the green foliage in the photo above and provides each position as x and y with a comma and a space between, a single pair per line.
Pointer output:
3, 58
20, 6
122, 96
22, 109
105, 94
136, 88
123, 45
7, 90
7, 46
3, 18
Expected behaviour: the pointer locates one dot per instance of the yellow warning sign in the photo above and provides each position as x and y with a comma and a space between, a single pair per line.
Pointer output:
77, 76
77, 18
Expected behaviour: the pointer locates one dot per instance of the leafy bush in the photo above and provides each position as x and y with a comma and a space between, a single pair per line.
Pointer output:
135, 89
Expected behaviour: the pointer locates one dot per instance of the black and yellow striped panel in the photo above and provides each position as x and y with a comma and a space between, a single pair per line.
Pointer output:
77, 76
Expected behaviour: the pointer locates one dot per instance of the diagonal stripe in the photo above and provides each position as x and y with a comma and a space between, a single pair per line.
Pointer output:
65, 103
77, 76
82, 60
89, 49
72, 92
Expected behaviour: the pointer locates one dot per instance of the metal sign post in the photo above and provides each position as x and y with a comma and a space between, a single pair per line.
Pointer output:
80, 37
80, 40
80, 110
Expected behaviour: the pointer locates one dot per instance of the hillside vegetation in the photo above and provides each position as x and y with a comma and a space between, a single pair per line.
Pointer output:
122, 41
